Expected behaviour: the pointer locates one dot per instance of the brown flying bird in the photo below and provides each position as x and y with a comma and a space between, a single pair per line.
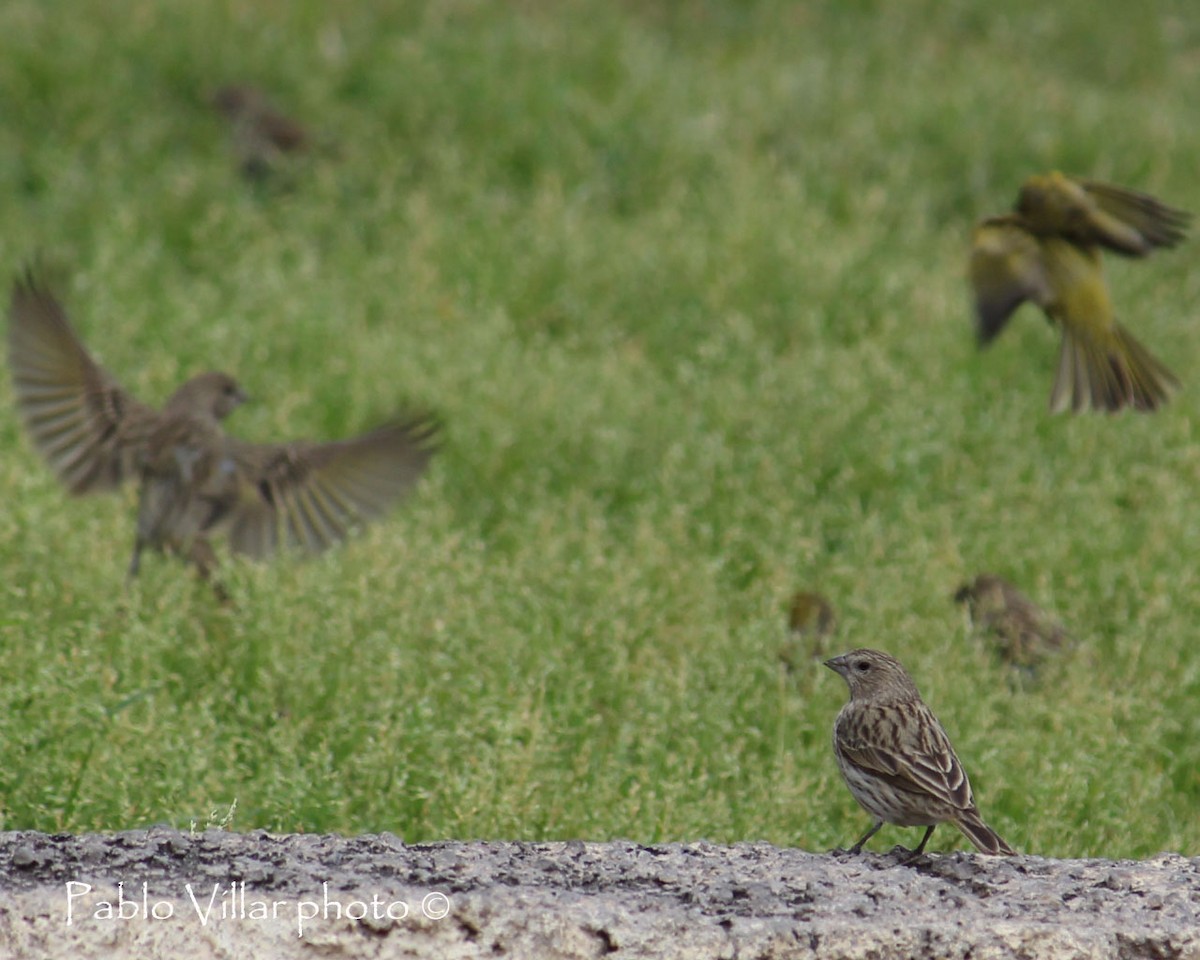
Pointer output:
195, 481
1048, 252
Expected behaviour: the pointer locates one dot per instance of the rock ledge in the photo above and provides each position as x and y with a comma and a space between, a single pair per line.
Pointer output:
160, 892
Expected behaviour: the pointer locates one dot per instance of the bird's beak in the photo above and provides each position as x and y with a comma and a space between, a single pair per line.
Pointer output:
836, 664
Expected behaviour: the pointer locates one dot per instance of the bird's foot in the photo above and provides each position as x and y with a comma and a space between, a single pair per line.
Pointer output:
907, 856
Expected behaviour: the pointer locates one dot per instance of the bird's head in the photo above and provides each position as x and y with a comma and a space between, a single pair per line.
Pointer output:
1052, 204
872, 673
810, 613
987, 593
211, 394
231, 100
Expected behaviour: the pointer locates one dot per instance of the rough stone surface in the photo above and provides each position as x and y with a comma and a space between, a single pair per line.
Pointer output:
159, 892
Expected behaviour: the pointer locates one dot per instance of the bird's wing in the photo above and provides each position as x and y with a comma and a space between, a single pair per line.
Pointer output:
910, 750
310, 495
1032, 620
88, 428
1006, 269
1131, 223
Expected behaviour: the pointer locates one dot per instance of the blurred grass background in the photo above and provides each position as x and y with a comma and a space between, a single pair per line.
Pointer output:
685, 281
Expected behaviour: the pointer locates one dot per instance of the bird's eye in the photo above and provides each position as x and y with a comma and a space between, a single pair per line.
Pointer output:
862, 666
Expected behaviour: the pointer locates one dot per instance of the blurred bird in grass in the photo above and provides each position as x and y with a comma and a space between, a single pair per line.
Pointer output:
1022, 633
1048, 252
194, 481
811, 621
261, 133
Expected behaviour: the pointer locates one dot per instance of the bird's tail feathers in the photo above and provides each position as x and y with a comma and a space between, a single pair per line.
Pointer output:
1109, 374
1151, 380
986, 839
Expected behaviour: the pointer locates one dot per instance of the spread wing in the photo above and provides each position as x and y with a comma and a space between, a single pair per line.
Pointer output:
1007, 268
1089, 213
1131, 223
88, 428
311, 495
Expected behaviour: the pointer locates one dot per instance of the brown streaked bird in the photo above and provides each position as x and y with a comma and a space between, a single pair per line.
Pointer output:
261, 133
1023, 633
811, 621
896, 758
195, 481
1048, 252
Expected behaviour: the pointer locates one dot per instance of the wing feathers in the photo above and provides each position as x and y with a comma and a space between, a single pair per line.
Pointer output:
311, 495
83, 423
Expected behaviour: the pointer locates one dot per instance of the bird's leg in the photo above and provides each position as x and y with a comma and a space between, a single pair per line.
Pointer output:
924, 840
135, 562
201, 554
857, 848
920, 848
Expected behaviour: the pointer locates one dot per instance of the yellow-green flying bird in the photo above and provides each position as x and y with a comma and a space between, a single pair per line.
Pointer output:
1048, 251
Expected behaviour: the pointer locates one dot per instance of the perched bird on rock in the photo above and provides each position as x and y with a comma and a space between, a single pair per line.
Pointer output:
1023, 633
1048, 251
194, 481
261, 133
896, 758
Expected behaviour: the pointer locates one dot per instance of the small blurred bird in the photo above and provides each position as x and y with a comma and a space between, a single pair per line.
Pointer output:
896, 758
811, 621
1048, 252
1023, 633
261, 133
194, 481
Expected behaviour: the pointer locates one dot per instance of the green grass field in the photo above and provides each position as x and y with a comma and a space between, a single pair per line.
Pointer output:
686, 283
